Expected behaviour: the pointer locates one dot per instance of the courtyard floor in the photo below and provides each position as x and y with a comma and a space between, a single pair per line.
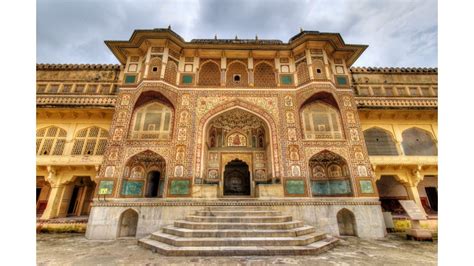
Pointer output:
67, 249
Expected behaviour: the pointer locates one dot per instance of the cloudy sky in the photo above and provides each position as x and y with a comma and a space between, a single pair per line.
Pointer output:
398, 32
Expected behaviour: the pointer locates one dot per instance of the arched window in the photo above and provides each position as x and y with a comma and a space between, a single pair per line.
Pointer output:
264, 75
379, 142
90, 141
417, 141
236, 74
210, 74
319, 69
321, 121
152, 121
50, 141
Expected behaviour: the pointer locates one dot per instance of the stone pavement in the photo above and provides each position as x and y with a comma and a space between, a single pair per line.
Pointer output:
67, 249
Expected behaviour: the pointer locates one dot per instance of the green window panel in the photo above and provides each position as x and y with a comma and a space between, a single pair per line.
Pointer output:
130, 79
286, 79
106, 187
187, 79
341, 80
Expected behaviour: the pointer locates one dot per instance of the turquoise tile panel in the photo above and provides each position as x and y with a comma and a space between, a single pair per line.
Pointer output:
295, 187
132, 188
366, 186
106, 187
180, 187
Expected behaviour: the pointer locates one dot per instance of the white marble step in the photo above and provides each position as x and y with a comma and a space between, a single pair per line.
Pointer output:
169, 250
215, 225
241, 219
236, 241
184, 232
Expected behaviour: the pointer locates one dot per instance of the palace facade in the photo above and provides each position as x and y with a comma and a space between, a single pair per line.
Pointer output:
181, 125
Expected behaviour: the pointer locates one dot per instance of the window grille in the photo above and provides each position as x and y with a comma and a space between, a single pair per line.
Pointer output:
90, 141
418, 142
50, 141
379, 142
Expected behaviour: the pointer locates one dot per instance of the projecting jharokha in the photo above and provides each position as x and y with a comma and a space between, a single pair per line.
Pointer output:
258, 146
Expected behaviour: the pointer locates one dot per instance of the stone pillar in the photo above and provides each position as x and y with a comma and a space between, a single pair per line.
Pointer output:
54, 200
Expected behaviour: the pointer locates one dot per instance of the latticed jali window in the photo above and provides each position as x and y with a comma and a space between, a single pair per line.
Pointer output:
302, 72
152, 121
417, 141
90, 141
379, 142
321, 121
264, 75
210, 74
50, 141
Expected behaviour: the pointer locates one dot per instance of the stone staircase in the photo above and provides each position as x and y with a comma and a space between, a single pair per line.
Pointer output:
238, 231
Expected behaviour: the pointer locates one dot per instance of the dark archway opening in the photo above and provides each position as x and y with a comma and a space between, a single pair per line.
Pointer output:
236, 179
153, 180
346, 223
128, 224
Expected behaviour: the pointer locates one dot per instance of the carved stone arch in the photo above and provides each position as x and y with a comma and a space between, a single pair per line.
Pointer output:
322, 94
237, 67
209, 73
264, 74
327, 184
246, 106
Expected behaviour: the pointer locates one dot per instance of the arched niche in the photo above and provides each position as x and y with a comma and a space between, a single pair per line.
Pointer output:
235, 133
149, 168
152, 118
128, 222
329, 175
237, 74
264, 75
346, 223
321, 118
237, 178
154, 69
380, 142
209, 74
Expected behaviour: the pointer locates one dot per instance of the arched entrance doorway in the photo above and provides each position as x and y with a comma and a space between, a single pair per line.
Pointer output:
237, 134
346, 223
237, 179
128, 224
148, 169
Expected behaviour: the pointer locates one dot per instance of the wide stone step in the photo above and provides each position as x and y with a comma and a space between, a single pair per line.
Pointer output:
215, 225
236, 241
169, 250
242, 219
184, 232
238, 213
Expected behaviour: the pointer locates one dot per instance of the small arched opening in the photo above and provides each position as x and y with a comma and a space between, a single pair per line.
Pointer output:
346, 223
128, 223
237, 178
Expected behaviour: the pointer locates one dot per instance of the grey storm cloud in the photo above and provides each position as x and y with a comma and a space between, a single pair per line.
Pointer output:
398, 32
